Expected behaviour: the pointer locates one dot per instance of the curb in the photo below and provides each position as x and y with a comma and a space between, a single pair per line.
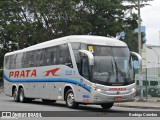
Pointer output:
141, 107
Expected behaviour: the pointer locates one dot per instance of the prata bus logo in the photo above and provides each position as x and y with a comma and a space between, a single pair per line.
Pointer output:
52, 72
31, 73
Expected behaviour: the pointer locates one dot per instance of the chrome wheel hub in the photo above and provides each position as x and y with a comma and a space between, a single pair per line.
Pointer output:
70, 99
21, 96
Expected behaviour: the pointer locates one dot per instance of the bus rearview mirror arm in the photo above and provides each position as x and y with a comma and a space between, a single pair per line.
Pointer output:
89, 55
140, 73
91, 62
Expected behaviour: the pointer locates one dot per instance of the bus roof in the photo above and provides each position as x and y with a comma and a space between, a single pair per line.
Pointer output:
87, 39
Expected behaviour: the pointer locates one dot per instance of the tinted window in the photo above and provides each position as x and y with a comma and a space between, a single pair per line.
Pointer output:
49, 56
58, 55
102, 51
24, 60
6, 62
85, 68
19, 60
39, 57
12, 61
64, 55
29, 61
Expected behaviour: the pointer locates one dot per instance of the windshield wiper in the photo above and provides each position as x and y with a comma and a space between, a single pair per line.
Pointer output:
116, 69
119, 71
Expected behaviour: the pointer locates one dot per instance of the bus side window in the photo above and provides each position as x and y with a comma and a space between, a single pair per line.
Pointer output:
64, 55
19, 60
51, 55
55, 55
24, 60
13, 61
6, 62
29, 61
76, 47
42, 58
85, 67
36, 57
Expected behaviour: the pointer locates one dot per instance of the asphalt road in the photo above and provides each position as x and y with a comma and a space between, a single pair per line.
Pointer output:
8, 104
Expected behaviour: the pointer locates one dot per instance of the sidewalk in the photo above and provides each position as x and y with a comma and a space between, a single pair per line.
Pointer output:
136, 104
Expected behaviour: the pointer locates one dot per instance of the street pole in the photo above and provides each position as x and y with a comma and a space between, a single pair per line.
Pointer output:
140, 51
147, 83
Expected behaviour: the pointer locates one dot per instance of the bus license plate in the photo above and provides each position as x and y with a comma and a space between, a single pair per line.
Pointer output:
118, 98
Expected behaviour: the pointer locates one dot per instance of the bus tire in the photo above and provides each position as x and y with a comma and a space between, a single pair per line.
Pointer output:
69, 98
15, 95
107, 106
22, 98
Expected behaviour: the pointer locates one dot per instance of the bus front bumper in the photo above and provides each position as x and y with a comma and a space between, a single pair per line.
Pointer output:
105, 98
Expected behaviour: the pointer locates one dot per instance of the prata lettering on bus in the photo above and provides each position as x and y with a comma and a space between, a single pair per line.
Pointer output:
52, 72
23, 73
117, 89
31, 73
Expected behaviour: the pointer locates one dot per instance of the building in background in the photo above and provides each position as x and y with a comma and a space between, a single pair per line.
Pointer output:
153, 55
143, 29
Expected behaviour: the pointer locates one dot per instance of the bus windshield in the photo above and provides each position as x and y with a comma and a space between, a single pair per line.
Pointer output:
113, 66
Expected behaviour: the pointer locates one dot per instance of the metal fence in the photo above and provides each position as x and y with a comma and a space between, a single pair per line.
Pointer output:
151, 83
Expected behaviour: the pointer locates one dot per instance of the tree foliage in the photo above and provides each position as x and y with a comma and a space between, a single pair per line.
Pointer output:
27, 22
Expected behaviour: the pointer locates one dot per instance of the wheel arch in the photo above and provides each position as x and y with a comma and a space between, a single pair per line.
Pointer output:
66, 88
13, 87
20, 86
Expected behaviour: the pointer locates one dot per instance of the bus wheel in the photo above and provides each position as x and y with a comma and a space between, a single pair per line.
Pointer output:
69, 98
15, 95
22, 98
107, 105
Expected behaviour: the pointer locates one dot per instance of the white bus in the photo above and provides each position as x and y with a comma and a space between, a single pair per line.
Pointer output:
79, 69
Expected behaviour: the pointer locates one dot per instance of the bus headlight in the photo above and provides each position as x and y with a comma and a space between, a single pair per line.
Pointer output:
133, 90
98, 90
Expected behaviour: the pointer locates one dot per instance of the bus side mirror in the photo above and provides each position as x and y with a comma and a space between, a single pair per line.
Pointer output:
90, 62
89, 55
138, 57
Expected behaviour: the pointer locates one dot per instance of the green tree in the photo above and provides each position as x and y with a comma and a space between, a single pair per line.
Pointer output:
27, 22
